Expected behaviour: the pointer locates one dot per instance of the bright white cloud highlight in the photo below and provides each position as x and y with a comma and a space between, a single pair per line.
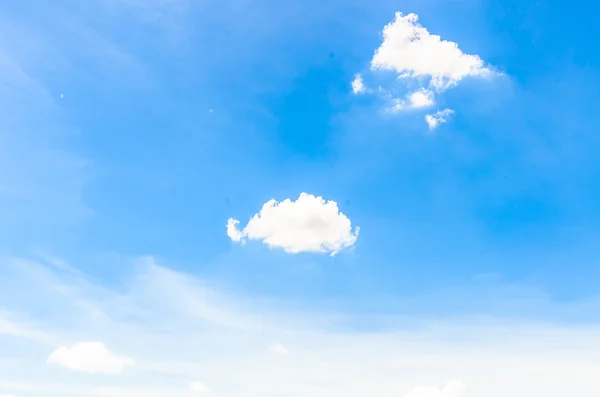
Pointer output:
233, 232
278, 349
439, 117
198, 387
89, 357
421, 98
415, 100
455, 388
358, 86
309, 224
409, 49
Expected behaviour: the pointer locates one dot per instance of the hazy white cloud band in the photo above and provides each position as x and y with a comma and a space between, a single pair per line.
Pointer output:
187, 339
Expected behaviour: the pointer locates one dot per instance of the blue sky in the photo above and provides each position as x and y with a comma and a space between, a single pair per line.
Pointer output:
131, 131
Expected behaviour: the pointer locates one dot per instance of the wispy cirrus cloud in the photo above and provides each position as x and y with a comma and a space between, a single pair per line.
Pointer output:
181, 331
17, 329
437, 118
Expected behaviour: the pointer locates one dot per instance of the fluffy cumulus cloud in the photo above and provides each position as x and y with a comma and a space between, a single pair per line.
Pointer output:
455, 388
437, 118
309, 224
409, 49
89, 357
431, 62
358, 86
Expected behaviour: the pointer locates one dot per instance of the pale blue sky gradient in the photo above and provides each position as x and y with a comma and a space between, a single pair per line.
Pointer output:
135, 129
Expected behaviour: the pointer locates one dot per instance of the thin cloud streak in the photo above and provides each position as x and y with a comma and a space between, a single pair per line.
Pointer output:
169, 337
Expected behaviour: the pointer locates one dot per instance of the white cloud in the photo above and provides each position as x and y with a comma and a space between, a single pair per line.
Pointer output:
455, 388
278, 349
232, 230
358, 86
432, 63
309, 224
415, 100
199, 387
11, 328
90, 357
409, 49
439, 117
7, 395
421, 98
171, 342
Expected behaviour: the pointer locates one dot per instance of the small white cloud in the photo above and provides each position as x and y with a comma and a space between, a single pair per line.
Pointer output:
199, 387
455, 388
439, 117
233, 232
410, 50
309, 224
415, 100
278, 349
396, 104
421, 98
358, 86
7, 395
90, 357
